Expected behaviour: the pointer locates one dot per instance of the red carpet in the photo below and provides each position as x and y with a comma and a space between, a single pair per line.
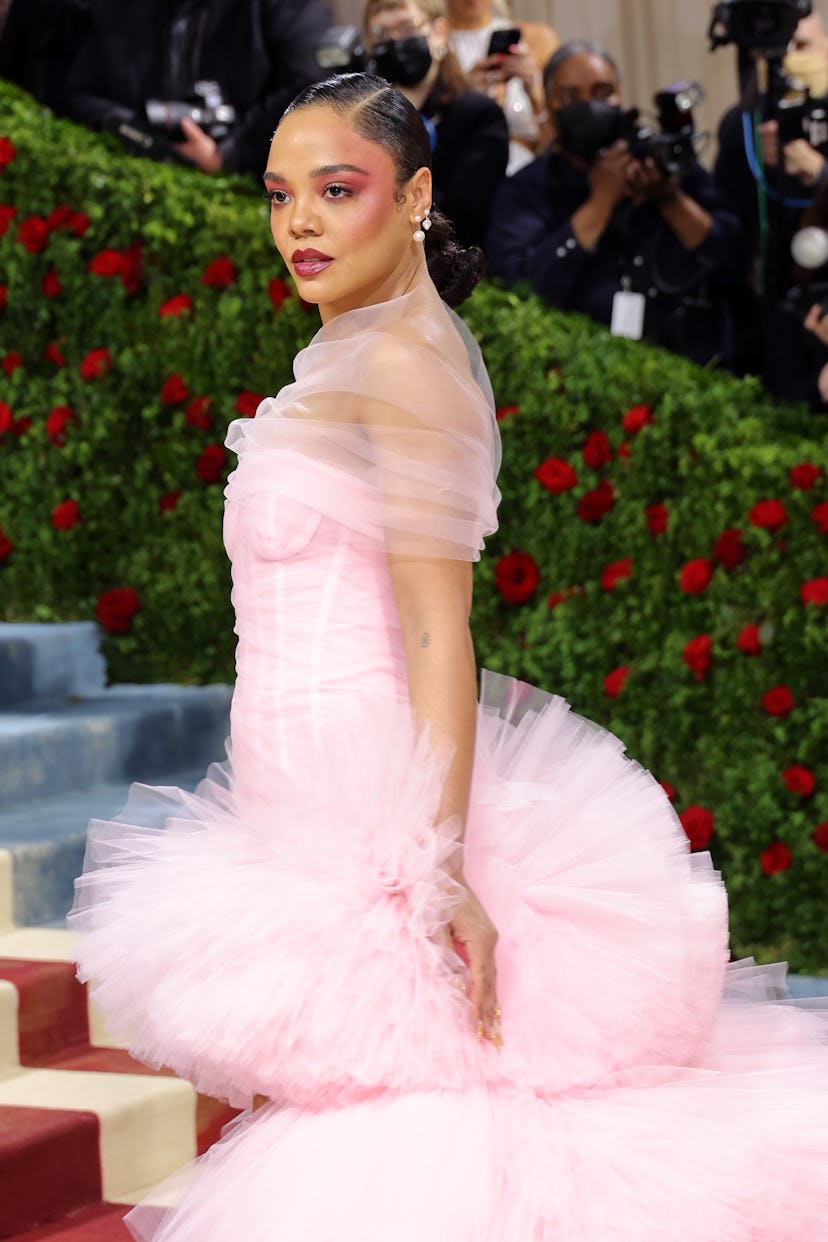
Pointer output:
50, 1158
101, 1223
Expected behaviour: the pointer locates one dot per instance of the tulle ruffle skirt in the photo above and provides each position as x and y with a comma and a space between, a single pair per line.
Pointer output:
294, 944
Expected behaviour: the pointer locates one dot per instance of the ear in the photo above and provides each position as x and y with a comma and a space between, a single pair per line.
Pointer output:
440, 31
419, 192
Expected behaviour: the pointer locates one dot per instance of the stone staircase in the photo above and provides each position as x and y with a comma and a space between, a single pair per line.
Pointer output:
84, 1129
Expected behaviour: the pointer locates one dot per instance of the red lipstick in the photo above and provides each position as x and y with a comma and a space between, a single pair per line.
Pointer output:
310, 262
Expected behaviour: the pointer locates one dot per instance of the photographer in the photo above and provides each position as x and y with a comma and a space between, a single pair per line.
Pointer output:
468, 131
583, 223
796, 346
258, 52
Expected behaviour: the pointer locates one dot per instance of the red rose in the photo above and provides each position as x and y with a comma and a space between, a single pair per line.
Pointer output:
116, 608
768, 515
614, 681
748, 641
557, 597
197, 412
658, 518
248, 402
50, 284
52, 354
107, 263
7, 214
805, 476
815, 591
11, 362
33, 234
799, 780
211, 463
7, 152
59, 217
669, 789
698, 655
78, 223
278, 291
556, 475
20, 426
4, 296
175, 306
66, 515
819, 514
616, 572
174, 390
517, 577
636, 417
95, 364
597, 451
220, 273
779, 701
728, 549
6, 418
695, 576
776, 858
168, 502
820, 836
6, 545
506, 411
132, 267
595, 505
698, 824
57, 421
624, 450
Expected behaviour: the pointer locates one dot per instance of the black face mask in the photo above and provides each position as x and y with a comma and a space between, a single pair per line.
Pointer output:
589, 126
405, 62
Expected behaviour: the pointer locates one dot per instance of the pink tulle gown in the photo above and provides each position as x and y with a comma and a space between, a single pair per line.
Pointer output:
281, 929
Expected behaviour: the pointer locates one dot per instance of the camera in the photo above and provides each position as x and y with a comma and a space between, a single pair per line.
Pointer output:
763, 27
588, 128
206, 107
341, 51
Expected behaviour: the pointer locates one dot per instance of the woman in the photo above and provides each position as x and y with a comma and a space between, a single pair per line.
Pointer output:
512, 77
469, 136
309, 924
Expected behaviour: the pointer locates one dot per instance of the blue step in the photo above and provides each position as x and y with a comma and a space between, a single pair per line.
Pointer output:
49, 661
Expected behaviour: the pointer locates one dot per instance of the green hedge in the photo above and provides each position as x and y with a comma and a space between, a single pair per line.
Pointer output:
623, 467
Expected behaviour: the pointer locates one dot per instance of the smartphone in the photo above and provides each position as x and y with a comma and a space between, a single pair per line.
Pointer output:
502, 41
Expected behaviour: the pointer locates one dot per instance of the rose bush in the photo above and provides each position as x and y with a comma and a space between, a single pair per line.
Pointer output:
623, 466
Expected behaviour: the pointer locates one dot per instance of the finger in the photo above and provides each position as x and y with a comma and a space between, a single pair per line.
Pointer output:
812, 318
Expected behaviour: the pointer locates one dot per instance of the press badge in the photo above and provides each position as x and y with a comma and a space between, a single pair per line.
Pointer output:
628, 312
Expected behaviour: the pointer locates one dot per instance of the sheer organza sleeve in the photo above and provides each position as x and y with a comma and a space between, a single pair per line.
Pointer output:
396, 395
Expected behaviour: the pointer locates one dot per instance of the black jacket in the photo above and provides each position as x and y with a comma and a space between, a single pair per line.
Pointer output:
469, 160
261, 52
531, 239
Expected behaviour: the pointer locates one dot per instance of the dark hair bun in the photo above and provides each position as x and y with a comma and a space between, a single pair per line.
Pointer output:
456, 270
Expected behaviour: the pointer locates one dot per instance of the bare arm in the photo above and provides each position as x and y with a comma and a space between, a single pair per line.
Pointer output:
433, 598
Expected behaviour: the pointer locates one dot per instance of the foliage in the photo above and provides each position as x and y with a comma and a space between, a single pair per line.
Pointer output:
622, 468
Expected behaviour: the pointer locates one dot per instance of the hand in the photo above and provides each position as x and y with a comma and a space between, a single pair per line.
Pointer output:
822, 383
649, 183
802, 161
475, 936
817, 323
487, 73
519, 62
609, 174
199, 147
769, 131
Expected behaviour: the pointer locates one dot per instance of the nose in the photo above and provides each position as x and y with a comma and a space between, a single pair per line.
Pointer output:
304, 218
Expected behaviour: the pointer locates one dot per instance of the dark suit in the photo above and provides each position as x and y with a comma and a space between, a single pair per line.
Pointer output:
531, 238
261, 52
469, 160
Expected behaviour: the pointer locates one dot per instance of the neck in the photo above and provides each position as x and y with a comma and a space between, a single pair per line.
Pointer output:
471, 22
411, 271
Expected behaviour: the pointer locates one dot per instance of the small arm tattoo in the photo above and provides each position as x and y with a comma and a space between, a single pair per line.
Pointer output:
425, 640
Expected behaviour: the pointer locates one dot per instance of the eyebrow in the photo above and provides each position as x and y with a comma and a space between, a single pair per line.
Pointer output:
327, 170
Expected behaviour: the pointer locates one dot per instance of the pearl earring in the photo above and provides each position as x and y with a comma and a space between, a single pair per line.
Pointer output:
422, 229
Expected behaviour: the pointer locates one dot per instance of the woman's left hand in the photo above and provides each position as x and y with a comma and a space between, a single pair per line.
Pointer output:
475, 936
